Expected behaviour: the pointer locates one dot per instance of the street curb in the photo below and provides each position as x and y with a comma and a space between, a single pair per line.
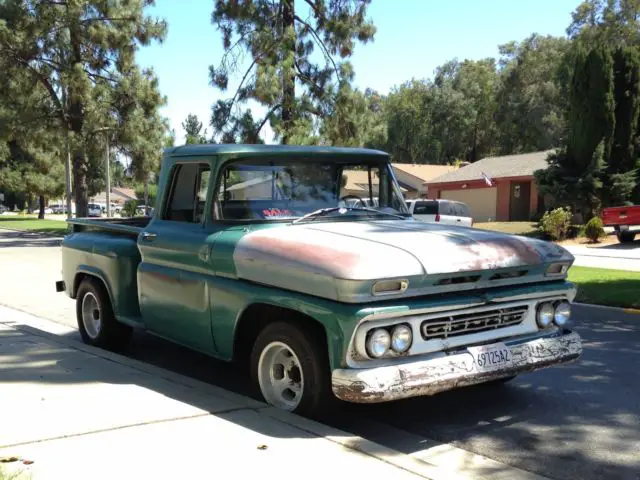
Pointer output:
607, 307
348, 441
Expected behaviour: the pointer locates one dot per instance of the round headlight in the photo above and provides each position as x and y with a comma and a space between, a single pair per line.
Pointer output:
545, 315
378, 343
562, 313
401, 338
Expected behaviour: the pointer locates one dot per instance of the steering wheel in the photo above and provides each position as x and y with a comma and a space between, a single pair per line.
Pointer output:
343, 199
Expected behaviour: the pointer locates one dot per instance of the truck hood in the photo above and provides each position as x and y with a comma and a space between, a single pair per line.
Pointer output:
305, 257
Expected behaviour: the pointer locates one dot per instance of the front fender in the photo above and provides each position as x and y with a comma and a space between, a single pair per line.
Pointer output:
230, 298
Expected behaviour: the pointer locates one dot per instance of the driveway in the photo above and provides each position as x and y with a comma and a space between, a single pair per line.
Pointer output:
618, 256
577, 421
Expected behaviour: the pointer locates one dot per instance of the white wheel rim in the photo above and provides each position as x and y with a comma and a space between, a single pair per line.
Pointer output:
91, 315
280, 376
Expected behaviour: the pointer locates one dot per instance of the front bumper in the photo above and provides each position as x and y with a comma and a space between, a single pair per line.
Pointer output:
427, 377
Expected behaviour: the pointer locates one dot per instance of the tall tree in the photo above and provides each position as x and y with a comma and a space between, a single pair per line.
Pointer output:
282, 75
82, 53
531, 102
356, 120
610, 22
575, 174
478, 82
193, 129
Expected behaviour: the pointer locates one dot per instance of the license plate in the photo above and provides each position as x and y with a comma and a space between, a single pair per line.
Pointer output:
491, 357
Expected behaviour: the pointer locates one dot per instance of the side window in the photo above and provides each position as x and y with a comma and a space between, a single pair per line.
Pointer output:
188, 194
426, 208
462, 210
446, 208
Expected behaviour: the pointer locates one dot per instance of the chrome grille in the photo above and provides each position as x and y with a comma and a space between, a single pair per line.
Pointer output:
465, 323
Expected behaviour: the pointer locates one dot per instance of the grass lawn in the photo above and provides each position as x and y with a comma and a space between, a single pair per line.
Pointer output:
528, 229
616, 288
31, 224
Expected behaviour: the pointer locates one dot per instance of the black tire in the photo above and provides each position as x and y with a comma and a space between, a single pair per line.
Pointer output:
626, 236
317, 397
111, 334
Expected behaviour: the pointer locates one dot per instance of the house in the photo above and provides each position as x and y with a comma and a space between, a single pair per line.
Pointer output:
119, 195
413, 178
495, 188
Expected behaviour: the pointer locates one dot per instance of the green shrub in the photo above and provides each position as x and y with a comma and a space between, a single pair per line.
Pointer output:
555, 223
594, 230
129, 209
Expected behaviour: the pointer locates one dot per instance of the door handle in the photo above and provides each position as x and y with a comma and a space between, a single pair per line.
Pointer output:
147, 236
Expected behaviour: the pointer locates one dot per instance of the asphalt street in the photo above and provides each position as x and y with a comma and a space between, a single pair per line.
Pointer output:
579, 421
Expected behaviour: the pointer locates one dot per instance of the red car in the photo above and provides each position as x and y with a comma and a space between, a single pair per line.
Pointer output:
624, 220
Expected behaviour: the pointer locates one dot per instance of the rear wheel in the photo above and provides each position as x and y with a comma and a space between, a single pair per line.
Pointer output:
625, 236
291, 370
96, 322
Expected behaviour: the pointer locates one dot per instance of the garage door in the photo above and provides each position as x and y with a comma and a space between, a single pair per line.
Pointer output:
481, 201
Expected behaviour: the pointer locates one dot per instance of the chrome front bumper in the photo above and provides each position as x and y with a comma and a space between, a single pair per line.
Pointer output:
427, 377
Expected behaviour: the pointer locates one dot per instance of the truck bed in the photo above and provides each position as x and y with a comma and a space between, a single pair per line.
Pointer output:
128, 226
613, 216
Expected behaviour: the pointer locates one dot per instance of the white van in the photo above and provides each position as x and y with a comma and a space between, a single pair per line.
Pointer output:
444, 211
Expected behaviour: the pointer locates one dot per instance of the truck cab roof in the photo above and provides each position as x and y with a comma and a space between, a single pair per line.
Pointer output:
243, 150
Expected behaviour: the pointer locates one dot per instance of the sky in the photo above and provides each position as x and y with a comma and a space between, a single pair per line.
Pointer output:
413, 38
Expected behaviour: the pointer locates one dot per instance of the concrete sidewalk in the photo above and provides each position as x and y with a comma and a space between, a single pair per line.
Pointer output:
77, 412
616, 257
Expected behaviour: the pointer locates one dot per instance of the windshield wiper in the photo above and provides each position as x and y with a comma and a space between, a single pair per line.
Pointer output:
323, 211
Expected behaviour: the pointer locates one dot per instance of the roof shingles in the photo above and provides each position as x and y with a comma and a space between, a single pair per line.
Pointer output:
522, 165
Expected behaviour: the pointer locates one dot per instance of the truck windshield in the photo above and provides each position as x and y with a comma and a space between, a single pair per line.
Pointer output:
288, 190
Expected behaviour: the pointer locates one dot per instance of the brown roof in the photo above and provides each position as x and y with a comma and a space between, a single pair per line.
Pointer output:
522, 165
125, 192
424, 172
358, 180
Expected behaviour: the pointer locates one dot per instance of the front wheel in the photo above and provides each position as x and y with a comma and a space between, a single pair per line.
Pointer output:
96, 322
291, 370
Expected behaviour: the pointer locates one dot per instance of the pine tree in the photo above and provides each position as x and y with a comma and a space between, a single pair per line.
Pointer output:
622, 164
575, 174
193, 128
281, 38
82, 55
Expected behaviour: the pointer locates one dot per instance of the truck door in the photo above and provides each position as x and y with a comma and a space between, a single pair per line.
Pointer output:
173, 272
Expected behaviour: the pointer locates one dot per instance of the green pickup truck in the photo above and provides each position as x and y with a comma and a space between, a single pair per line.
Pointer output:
305, 263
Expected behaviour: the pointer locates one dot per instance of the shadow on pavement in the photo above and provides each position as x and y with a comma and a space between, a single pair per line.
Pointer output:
14, 239
577, 421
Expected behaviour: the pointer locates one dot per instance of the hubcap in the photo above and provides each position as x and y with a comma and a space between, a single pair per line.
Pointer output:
280, 376
91, 315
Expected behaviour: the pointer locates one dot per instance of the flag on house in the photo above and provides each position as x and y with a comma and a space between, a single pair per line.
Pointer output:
487, 180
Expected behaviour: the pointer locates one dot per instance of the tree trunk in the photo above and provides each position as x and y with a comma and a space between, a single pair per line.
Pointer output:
29, 204
288, 76
80, 186
42, 207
